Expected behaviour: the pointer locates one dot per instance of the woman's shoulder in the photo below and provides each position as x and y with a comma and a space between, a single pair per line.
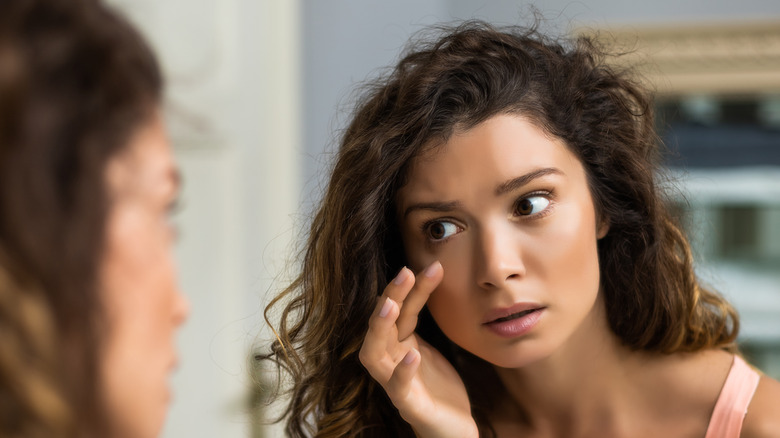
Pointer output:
763, 416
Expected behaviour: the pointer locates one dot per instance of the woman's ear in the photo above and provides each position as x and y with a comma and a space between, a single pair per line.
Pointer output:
603, 227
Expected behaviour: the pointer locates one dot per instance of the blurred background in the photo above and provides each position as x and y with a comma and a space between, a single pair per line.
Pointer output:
259, 91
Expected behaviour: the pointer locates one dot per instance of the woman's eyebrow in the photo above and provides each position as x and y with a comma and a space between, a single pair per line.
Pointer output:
432, 206
522, 180
502, 188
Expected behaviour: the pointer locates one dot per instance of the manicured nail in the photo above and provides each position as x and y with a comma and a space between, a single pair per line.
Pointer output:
430, 271
401, 276
410, 356
385, 308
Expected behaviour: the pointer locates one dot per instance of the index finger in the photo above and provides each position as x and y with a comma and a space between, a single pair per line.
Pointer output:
425, 283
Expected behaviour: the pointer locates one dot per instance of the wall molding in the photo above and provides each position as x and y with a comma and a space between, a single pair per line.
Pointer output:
727, 58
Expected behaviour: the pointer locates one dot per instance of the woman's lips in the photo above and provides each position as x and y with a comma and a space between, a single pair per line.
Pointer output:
513, 321
505, 312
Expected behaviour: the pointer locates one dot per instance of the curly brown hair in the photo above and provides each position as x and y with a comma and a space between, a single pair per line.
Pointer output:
455, 80
76, 81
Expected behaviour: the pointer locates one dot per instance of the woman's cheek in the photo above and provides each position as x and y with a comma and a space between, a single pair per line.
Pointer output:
455, 262
419, 255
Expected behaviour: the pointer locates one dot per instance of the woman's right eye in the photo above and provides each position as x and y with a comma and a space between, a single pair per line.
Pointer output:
441, 230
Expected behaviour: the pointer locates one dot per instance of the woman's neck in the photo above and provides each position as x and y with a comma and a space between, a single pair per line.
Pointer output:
582, 382
595, 386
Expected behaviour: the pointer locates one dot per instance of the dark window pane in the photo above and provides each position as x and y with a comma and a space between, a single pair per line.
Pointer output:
739, 231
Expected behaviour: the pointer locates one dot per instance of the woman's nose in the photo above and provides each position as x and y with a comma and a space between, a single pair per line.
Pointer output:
500, 259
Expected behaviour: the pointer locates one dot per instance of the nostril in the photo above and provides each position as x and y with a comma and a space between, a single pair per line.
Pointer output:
488, 285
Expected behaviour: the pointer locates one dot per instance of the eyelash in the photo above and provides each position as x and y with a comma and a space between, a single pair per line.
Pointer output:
425, 227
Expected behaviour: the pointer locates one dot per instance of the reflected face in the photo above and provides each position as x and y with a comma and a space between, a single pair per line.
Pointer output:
507, 211
142, 301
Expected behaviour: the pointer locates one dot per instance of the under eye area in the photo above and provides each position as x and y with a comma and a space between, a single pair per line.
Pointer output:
439, 230
531, 205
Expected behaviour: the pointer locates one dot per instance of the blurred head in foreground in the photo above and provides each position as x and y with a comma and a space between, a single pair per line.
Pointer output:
88, 296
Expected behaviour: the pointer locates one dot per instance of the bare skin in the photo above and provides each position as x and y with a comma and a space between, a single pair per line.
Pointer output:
763, 417
143, 302
424, 387
506, 212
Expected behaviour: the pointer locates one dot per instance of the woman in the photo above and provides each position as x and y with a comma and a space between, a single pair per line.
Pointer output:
88, 296
554, 294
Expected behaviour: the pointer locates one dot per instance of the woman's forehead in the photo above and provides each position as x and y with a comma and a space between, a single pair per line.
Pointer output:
500, 148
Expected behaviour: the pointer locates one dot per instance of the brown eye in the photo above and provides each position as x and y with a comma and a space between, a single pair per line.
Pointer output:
531, 205
524, 207
437, 230
441, 230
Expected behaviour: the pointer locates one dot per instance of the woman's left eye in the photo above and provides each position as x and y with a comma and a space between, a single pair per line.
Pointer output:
441, 230
531, 205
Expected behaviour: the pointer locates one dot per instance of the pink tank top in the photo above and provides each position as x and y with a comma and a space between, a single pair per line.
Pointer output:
733, 401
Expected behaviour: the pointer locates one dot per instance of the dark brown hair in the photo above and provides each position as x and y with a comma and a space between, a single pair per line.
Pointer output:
76, 81
455, 80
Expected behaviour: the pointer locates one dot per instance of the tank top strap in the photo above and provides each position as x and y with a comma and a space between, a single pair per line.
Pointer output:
733, 401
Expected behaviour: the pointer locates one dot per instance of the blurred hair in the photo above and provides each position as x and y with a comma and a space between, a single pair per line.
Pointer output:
454, 81
76, 81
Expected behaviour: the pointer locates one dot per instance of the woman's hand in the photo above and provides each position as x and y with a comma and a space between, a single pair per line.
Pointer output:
424, 387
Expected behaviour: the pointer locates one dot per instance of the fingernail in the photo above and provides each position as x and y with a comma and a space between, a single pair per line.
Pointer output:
401, 276
385, 308
430, 271
409, 358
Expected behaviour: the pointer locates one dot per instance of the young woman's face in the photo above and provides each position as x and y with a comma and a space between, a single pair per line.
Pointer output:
142, 301
507, 211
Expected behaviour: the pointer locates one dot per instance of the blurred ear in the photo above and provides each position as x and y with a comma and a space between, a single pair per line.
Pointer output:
603, 227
